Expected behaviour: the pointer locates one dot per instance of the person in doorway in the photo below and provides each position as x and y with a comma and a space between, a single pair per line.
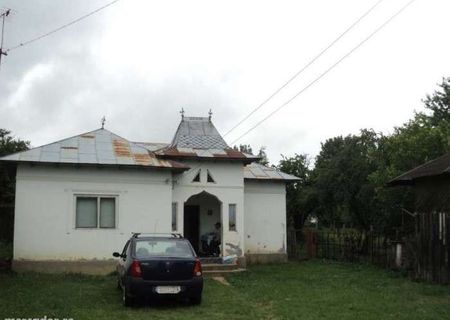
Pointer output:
215, 243
211, 241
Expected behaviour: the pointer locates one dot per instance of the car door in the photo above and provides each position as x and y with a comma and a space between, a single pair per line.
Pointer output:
121, 265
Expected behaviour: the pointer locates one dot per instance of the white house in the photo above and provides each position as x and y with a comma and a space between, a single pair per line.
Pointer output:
80, 199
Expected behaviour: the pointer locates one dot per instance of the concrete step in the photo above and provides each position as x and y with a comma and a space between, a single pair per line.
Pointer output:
218, 266
215, 273
219, 269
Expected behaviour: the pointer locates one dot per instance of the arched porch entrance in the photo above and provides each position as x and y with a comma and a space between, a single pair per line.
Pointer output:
203, 224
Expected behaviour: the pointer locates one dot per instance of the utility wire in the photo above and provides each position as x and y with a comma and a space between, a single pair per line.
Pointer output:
327, 70
321, 75
62, 27
306, 66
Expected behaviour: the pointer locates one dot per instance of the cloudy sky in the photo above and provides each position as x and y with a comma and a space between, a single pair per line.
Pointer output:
138, 62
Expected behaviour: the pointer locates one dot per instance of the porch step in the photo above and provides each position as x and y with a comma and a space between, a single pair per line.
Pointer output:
216, 269
218, 266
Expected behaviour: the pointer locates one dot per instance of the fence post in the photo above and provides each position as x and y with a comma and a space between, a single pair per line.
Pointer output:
398, 255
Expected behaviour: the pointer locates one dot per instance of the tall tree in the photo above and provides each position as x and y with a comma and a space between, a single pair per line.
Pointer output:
264, 160
344, 193
8, 145
299, 195
246, 148
439, 103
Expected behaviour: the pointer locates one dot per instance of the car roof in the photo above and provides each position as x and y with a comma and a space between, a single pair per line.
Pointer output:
156, 238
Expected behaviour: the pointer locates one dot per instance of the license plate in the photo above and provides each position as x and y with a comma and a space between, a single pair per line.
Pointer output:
167, 289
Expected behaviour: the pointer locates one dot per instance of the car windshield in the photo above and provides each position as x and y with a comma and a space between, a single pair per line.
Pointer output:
147, 248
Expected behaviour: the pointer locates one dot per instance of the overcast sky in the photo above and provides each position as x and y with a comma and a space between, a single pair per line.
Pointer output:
138, 62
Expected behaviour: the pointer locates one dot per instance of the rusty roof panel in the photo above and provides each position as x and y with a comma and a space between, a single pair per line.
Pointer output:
100, 147
121, 148
142, 158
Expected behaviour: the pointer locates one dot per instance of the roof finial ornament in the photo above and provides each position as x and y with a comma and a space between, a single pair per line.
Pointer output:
210, 114
103, 122
182, 114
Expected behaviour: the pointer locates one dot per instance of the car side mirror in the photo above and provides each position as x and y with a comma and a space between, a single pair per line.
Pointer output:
116, 255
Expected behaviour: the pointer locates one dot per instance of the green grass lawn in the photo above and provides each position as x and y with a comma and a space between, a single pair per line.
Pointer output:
307, 290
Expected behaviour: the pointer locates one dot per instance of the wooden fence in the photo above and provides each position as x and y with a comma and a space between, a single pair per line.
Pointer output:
433, 247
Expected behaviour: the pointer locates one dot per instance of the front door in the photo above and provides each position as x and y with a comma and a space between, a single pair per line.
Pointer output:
191, 225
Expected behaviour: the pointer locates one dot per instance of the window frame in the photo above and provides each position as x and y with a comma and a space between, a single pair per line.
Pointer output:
98, 198
232, 227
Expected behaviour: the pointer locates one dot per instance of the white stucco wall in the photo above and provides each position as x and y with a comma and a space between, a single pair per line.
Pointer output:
265, 217
228, 188
45, 210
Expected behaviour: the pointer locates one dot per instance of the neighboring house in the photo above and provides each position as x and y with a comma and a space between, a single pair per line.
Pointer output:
80, 199
431, 182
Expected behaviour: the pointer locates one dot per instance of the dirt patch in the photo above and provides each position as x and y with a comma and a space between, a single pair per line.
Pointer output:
221, 280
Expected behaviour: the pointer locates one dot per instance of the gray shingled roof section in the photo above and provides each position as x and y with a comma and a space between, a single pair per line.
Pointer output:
436, 167
198, 133
256, 171
100, 147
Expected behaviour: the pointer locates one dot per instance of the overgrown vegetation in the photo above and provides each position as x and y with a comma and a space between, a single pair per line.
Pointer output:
347, 185
6, 250
310, 290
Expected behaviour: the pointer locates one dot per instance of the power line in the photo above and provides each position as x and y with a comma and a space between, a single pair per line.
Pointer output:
327, 70
321, 75
62, 27
307, 65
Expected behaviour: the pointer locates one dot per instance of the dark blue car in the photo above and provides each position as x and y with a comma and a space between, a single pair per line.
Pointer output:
159, 266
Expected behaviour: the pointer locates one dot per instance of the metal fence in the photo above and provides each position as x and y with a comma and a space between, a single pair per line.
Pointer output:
422, 252
352, 246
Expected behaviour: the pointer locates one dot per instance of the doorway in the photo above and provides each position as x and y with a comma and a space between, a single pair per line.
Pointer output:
191, 223
202, 224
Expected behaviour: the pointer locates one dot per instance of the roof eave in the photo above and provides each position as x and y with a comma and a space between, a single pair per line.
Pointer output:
273, 180
195, 157
177, 169
412, 181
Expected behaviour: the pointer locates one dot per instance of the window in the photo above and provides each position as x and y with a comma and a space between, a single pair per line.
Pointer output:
147, 248
174, 216
209, 178
232, 217
197, 177
95, 212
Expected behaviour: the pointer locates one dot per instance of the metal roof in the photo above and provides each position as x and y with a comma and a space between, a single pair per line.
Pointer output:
436, 167
198, 133
98, 147
197, 138
213, 154
256, 171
